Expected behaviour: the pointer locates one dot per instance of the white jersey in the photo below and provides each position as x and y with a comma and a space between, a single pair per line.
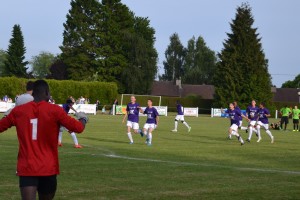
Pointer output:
24, 98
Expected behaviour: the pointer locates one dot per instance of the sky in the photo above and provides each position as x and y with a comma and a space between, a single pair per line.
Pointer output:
278, 23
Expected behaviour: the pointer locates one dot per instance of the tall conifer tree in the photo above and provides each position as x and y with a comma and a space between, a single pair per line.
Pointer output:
15, 64
242, 72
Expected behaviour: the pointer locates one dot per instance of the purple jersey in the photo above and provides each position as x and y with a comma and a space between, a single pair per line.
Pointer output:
133, 112
238, 108
151, 115
179, 109
252, 113
66, 107
234, 116
262, 112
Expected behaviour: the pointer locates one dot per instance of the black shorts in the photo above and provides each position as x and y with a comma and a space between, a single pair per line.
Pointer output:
295, 121
285, 120
44, 184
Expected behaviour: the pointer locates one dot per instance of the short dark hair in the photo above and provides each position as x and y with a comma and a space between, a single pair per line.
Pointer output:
40, 87
29, 86
150, 100
263, 104
69, 101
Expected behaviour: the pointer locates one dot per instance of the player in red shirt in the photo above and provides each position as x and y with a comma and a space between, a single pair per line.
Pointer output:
37, 124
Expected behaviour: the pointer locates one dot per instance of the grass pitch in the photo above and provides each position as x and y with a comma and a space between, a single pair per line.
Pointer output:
202, 164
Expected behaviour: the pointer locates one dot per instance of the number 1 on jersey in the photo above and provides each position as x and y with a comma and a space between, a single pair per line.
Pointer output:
34, 128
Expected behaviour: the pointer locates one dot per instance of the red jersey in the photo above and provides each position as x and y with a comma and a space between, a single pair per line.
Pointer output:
37, 127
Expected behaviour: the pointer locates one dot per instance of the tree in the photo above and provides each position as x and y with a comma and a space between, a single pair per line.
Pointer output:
200, 62
15, 64
138, 76
292, 84
80, 39
58, 70
242, 72
41, 64
173, 65
3, 58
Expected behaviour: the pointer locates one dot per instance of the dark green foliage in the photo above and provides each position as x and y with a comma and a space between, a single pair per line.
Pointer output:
200, 63
61, 90
3, 58
242, 72
173, 65
58, 70
104, 41
292, 84
41, 64
15, 64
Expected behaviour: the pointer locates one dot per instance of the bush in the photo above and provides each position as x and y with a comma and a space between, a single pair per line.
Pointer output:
61, 90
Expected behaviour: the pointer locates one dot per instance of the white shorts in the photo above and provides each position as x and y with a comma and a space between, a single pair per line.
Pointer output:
147, 126
252, 123
266, 126
179, 117
133, 125
234, 127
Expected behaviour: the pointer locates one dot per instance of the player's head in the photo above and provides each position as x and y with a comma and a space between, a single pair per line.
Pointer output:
253, 102
69, 102
29, 86
262, 105
177, 102
132, 99
40, 91
296, 107
149, 102
231, 106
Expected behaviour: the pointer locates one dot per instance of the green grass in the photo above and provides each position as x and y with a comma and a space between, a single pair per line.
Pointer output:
202, 164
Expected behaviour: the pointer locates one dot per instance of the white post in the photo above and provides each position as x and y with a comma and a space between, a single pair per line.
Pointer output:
212, 112
197, 111
276, 114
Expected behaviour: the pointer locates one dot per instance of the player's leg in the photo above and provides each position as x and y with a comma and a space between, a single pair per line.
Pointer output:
243, 128
266, 126
129, 126
234, 131
281, 122
28, 187
150, 136
251, 128
286, 122
185, 123
61, 130
74, 138
258, 132
47, 187
297, 123
176, 124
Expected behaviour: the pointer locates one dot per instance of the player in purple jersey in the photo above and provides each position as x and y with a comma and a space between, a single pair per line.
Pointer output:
252, 114
132, 111
152, 121
234, 115
67, 107
180, 116
263, 114
241, 117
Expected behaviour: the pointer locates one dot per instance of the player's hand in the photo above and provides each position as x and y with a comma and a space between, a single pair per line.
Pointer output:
82, 116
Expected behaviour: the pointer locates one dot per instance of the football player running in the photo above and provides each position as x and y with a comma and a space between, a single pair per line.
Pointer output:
151, 123
252, 114
263, 114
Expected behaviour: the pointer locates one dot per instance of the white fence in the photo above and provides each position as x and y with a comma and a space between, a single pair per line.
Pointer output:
192, 112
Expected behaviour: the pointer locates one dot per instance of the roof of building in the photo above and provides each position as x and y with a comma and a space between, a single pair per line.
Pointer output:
286, 95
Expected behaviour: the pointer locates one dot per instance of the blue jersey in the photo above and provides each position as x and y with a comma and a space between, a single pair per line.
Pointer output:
151, 115
179, 109
234, 116
252, 113
66, 107
262, 112
133, 112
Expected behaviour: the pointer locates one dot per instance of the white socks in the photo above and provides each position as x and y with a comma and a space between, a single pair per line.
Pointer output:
73, 135
176, 125
60, 137
130, 137
269, 133
250, 132
258, 132
186, 124
149, 136
244, 128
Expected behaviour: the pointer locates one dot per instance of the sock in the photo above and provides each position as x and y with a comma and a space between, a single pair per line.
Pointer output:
269, 133
250, 132
130, 137
258, 131
150, 138
294, 126
244, 128
186, 124
73, 135
234, 133
146, 134
176, 125
60, 137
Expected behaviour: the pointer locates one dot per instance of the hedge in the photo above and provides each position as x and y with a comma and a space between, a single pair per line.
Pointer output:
61, 90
